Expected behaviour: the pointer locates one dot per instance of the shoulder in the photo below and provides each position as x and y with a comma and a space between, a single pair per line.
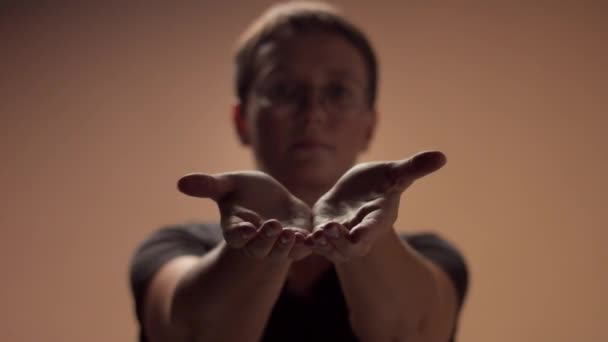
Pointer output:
443, 253
174, 240
192, 233
428, 241
164, 244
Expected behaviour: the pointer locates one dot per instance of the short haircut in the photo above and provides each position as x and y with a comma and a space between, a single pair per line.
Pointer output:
292, 18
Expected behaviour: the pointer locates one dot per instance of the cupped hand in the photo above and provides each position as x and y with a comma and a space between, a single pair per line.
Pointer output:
363, 205
258, 215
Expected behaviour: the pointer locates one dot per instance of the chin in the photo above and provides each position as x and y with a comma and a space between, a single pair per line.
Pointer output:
310, 170
314, 175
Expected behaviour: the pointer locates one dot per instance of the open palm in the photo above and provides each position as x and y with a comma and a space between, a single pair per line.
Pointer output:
258, 214
363, 205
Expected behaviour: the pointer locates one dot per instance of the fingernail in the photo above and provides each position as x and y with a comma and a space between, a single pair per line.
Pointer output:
285, 239
432, 159
321, 241
272, 231
247, 233
194, 185
185, 184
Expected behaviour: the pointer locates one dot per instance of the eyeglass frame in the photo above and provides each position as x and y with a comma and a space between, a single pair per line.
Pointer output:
302, 97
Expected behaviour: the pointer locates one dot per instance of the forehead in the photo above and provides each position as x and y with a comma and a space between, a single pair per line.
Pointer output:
311, 54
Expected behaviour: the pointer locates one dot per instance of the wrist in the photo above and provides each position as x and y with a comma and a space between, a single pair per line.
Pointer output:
382, 243
240, 256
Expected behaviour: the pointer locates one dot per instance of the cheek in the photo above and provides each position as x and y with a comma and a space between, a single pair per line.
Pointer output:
269, 131
352, 136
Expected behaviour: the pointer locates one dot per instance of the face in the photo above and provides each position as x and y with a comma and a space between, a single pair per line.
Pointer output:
307, 116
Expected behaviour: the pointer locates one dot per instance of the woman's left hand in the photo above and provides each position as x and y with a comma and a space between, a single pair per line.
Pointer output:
363, 205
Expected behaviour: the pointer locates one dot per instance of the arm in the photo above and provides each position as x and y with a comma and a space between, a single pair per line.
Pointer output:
205, 298
395, 294
227, 293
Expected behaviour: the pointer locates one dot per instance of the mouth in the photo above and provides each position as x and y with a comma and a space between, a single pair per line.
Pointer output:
310, 144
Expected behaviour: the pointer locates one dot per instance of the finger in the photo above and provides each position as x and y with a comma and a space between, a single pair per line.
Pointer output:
367, 211
299, 250
362, 237
232, 215
406, 171
238, 235
338, 237
206, 186
299, 231
322, 246
283, 245
262, 243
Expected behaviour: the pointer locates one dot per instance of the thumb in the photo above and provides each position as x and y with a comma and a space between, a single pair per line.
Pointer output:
420, 165
205, 186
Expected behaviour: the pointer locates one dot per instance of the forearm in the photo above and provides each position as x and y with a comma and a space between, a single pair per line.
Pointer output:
227, 296
389, 291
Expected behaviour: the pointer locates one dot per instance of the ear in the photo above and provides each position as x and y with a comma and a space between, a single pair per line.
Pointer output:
370, 128
240, 123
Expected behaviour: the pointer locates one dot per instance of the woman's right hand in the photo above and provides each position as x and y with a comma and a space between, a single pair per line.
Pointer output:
258, 214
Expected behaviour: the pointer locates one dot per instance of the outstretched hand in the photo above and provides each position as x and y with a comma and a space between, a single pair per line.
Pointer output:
261, 217
363, 205
258, 215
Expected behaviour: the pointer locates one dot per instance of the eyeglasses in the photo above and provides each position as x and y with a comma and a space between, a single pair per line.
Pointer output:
337, 98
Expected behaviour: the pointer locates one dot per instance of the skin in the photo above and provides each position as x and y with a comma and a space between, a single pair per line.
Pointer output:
363, 205
273, 133
249, 223
317, 210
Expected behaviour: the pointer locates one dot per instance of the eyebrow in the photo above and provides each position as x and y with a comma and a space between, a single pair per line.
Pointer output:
345, 75
338, 73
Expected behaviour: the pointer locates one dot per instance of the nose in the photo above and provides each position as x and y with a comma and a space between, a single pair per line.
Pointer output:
313, 108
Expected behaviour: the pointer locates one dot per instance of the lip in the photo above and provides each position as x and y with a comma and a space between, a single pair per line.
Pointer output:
310, 144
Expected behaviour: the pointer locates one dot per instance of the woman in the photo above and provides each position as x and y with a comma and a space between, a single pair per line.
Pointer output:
306, 249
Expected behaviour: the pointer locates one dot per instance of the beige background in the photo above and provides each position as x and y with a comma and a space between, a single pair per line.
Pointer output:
104, 106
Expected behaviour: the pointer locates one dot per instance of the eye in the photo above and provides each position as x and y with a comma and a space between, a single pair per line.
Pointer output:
283, 92
339, 93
